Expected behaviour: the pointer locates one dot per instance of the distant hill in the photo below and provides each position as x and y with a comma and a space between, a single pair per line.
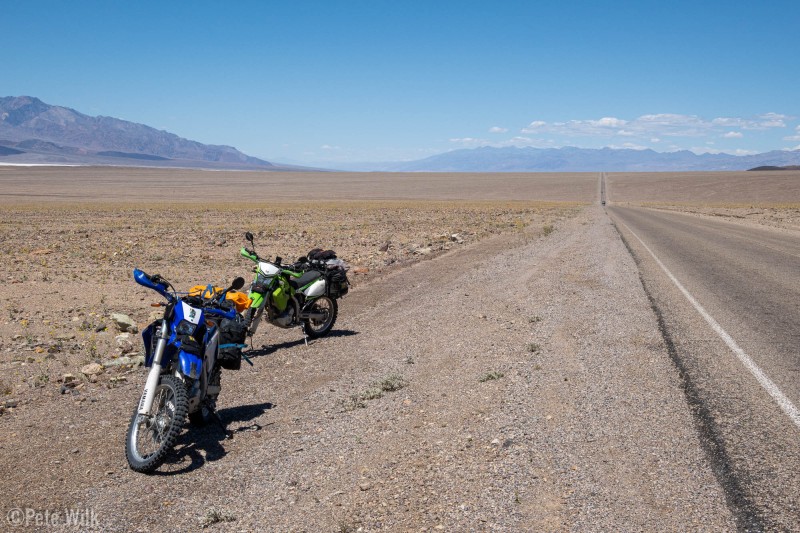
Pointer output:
35, 132
571, 159
790, 167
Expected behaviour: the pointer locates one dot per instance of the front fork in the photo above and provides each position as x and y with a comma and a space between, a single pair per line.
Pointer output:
150, 386
256, 311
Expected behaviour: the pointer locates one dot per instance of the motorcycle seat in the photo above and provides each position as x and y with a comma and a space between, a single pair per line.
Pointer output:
305, 279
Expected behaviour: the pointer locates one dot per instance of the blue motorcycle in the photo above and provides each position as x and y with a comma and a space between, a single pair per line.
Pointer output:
182, 351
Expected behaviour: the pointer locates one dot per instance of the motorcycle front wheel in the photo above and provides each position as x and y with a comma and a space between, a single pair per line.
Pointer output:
324, 311
151, 437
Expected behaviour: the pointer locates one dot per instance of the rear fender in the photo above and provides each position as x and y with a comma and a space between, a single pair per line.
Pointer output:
316, 288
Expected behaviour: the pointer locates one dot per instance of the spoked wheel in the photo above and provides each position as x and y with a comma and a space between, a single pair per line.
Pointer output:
323, 315
151, 437
209, 405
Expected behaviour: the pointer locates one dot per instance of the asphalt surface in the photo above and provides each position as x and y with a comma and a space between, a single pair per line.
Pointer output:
747, 281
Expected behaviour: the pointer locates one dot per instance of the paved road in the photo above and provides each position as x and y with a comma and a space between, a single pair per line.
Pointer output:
744, 389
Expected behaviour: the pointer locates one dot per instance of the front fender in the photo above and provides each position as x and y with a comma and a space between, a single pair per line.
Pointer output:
190, 365
257, 300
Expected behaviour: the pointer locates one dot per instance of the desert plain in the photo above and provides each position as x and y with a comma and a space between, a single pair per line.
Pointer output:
530, 385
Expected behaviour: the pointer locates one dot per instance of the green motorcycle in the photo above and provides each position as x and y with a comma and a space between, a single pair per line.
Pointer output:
302, 294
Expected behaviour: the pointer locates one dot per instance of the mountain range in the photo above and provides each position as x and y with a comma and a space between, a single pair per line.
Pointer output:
32, 132
571, 159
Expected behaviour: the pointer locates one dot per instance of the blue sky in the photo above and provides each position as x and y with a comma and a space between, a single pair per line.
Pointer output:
321, 82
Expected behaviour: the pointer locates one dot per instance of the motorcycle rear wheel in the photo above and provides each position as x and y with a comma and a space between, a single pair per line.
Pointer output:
150, 438
316, 328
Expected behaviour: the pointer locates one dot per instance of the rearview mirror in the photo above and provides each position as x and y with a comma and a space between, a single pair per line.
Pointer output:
248, 236
237, 284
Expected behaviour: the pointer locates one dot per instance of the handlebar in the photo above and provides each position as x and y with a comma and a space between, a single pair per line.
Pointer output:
160, 285
250, 254
157, 283
229, 314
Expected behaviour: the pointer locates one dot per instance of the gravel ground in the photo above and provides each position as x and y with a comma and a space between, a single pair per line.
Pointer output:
523, 386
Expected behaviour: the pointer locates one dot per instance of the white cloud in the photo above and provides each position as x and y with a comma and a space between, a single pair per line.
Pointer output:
794, 137
773, 120
659, 125
534, 125
469, 141
497, 129
611, 122
329, 147
728, 122
761, 122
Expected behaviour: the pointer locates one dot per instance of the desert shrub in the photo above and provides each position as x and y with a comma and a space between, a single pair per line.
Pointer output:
490, 376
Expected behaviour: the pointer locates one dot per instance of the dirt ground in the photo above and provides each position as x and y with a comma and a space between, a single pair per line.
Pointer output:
769, 198
490, 297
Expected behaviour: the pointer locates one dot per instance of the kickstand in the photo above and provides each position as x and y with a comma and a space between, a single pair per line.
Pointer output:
218, 420
305, 336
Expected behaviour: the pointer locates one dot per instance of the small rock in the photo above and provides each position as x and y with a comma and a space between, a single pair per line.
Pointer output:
68, 378
75, 450
101, 327
124, 322
136, 361
455, 237
360, 270
124, 343
92, 369
496, 442
364, 486
424, 251
384, 247
10, 404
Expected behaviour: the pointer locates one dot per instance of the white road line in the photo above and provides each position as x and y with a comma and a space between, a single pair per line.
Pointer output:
785, 404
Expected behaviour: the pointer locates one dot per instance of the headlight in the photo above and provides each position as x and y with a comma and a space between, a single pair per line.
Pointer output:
185, 328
